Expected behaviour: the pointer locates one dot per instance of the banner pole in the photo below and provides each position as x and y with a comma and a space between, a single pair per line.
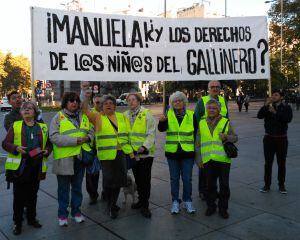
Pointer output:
164, 82
32, 58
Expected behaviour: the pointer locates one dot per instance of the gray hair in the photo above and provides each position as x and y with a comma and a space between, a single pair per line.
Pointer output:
105, 98
177, 96
213, 101
25, 105
213, 81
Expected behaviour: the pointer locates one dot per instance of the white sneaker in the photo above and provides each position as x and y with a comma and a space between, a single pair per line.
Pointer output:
78, 218
63, 221
175, 207
188, 206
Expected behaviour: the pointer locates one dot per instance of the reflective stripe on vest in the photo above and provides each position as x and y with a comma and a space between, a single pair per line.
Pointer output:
13, 161
138, 131
66, 127
107, 140
211, 145
221, 100
183, 134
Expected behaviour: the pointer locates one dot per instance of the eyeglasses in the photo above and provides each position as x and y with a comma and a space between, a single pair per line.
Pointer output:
215, 87
74, 100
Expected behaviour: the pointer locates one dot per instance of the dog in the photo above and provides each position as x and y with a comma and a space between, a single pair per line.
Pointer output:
130, 189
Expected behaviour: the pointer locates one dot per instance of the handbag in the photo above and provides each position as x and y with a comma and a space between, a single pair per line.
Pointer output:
230, 149
87, 157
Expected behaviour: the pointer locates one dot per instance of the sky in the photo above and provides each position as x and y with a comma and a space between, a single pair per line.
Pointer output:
15, 14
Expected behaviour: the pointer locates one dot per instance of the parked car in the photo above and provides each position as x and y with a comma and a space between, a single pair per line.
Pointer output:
4, 105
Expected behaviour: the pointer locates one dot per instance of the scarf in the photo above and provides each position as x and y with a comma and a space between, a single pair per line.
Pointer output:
133, 114
180, 114
73, 117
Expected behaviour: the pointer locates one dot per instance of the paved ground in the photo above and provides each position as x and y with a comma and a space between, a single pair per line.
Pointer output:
253, 215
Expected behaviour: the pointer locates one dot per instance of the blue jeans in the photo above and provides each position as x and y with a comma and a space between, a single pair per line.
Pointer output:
63, 191
183, 167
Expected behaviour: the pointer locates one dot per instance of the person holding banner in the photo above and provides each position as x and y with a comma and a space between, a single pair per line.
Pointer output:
181, 127
71, 135
214, 88
112, 144
28, 146
210, 152
142, 131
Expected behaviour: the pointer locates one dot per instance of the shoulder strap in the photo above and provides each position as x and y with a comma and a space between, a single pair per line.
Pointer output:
225, 126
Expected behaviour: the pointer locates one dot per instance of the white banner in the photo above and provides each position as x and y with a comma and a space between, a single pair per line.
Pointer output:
98, 47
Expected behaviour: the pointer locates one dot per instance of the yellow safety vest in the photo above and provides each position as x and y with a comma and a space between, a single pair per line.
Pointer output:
66, 127
211, 145
107, 140
138, 131
13, 161
221, 100
183, 134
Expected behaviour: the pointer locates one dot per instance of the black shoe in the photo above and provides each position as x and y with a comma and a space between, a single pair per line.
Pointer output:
282, 190
146, 212
137, 205
17, 229
264, 189
113, 213
35, 223
93, 201
210, 211
202, 196
224, 214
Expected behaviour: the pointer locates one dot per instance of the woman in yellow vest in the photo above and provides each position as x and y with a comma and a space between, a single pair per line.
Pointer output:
70, 133
210, 152
142, 131
181, 126
112, 144
28, 147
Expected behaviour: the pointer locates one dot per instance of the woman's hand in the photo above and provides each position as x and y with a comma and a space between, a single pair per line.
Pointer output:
45, 152
163, 118
21, 149
223, 136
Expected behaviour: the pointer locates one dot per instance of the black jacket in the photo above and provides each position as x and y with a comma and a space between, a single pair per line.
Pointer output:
276, 124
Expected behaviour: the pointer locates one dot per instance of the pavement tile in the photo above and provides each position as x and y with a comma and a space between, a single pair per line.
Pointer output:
162, 225
90, 232
216, 235
265, 226
48, 218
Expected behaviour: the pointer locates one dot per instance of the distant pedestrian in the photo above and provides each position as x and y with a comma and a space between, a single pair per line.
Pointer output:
246, 102
28, 147
276, 115
181, 126
298, 101
210, 152
240, 101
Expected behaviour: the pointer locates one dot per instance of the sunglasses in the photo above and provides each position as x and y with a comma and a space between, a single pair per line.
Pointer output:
74, 100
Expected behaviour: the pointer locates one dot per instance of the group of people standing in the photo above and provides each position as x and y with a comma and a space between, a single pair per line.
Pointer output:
85, 138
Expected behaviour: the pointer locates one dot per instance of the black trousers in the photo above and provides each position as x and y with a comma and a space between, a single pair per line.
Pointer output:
25, 195
142, 175
91, 181
217, 171
111, 195
272, 146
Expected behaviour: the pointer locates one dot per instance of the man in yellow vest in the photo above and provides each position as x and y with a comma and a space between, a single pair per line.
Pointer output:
214, 88
211, 153
142, 131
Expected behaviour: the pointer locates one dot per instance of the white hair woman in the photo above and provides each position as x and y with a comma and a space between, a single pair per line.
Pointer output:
181, 126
